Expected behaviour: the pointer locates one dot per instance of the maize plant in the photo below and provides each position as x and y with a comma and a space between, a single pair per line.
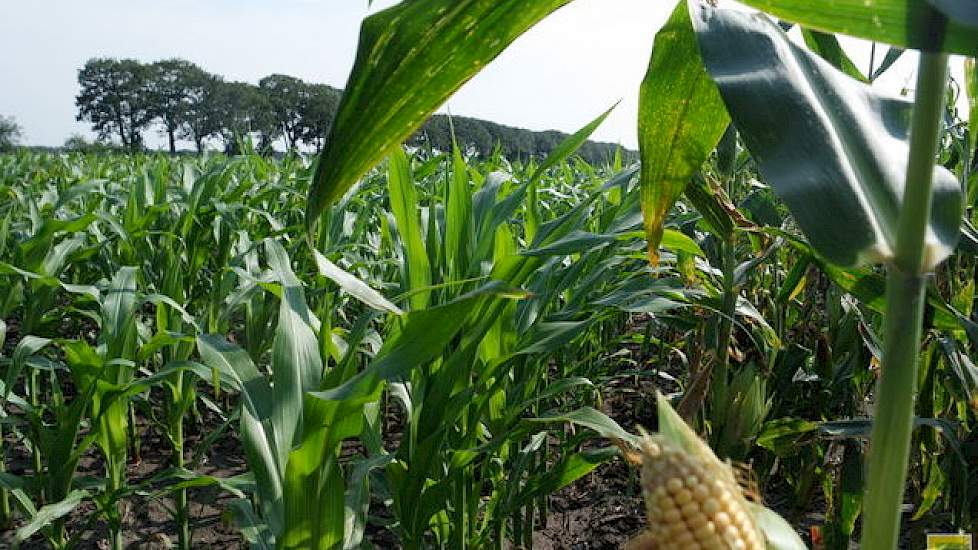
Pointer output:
423, 348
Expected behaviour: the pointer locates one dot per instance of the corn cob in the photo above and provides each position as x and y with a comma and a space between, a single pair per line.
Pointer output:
693, 501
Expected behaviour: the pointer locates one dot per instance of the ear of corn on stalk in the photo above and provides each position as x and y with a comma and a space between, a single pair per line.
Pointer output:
692, 499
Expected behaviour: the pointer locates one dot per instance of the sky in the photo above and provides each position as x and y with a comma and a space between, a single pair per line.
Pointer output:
559, 75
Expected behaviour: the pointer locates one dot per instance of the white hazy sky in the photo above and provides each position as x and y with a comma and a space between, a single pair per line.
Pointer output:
561, 74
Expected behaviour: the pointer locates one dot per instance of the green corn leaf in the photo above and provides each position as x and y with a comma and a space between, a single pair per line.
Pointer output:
50, 512
828, 47
964, 371
891, 57
28, 346
358, 499
352, 285
297, 366
423, 335
680, 242
594, 420
410, 59
404, 206
458, 218
971, 88
181, 478
834, 149
559, 154
852, 486
680, 120
562, 473
710, 204
909, 24
261, 445
118, 308
254, 531
314, 497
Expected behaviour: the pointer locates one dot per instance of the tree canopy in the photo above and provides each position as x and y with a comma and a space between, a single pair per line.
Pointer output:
123, 98
9, 133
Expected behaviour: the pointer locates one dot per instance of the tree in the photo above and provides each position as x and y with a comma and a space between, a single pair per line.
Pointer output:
77, 143
113, 98
204, 112
10, 133
316, 114
285, 96
240, 110
173, 88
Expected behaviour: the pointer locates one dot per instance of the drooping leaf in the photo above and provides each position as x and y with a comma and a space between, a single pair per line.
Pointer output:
593, 420
681, 118
50, 512
410, 59
909, 24
679, 242
353, 286
834, 149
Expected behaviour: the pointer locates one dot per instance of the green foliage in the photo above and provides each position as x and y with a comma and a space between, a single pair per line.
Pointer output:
10, 133
845, 152
385, 101
113, 98
176, 94
915, 25
681, 119
435, 357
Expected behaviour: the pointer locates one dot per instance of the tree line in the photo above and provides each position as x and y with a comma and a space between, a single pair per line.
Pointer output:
123, 98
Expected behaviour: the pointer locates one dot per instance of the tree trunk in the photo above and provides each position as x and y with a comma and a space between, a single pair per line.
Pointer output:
122, 133
199, 141
173, 141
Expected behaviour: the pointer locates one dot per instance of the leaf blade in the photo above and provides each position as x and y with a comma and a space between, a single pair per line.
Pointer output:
681, 118
447, 41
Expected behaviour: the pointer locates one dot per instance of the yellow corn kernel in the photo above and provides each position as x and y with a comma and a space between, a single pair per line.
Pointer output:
692, 500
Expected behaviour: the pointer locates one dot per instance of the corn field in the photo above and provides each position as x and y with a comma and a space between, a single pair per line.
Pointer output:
770, 319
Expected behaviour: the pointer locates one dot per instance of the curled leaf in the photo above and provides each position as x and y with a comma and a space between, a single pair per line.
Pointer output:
834, 149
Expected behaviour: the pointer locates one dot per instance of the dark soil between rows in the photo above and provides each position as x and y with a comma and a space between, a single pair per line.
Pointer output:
602, 510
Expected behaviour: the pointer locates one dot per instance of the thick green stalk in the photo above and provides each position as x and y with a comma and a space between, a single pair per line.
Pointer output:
116, 480
6, 518
718, 384
893, 418
726, 166
729, 302
35, 389
183, 510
